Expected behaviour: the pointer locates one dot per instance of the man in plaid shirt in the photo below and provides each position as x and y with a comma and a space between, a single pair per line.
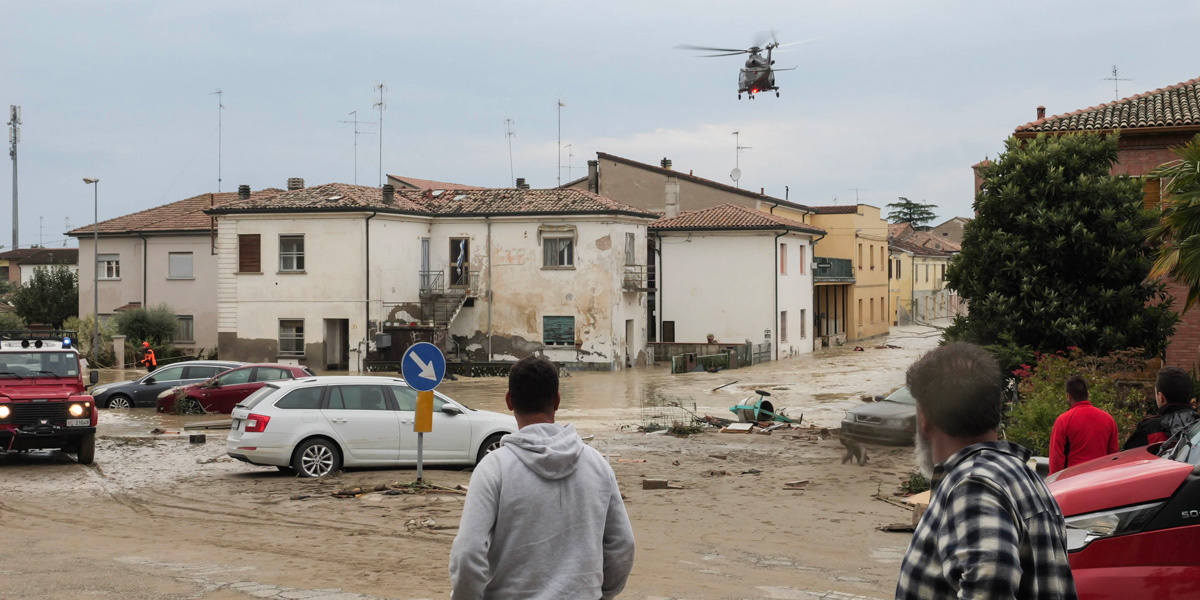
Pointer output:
992, 529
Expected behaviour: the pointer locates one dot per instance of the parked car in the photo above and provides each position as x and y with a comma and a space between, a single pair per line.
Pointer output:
144, 391
1133, 519
316, 426
221, 393
892, 420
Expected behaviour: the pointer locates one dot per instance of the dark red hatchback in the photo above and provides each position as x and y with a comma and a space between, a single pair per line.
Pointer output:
221, 393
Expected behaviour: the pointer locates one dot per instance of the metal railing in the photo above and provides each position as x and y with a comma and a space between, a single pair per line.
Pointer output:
833, 269
637, 278
438, 282
432, 281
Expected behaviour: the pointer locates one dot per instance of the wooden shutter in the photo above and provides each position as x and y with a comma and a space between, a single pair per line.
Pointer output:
249, 255
1151, 193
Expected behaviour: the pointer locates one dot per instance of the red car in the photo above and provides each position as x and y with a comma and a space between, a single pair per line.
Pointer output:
222, 392
1133, 522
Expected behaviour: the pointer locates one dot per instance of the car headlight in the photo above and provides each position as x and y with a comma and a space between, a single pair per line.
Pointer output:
1085, 529
896, 422
849, 416
76, 410
4, 412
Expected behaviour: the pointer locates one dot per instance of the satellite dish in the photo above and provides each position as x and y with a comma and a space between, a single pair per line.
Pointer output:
735, 174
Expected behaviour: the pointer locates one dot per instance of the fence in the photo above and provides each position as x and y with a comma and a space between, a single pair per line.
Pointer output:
762, 353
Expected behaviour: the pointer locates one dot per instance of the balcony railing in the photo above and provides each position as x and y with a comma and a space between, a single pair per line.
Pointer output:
432, 281
833, 269
638, 278
457, 281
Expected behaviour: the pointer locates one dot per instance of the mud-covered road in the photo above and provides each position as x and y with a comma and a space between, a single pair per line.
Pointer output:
157, 517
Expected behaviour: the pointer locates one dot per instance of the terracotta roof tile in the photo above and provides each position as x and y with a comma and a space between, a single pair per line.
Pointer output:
183, 215
930, 241
910, 246
340, 196
899, 230
835, 210
429, 184
52, 256
1174, 105
731, 216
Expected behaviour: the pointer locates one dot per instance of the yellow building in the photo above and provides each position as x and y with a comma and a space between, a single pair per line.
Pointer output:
850, 279
917, 277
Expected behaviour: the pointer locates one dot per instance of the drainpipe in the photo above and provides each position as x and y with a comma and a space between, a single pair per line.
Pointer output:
362, 357
488, 220
813, 272
658, 281
145, 261
775, 254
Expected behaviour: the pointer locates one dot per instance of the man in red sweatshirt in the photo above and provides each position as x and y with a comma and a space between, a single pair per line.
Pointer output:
1083, 432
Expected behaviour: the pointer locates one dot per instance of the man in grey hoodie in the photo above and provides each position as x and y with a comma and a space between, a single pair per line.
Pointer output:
543, 517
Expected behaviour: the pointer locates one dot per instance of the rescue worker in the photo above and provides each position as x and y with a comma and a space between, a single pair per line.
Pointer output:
1172, 393
148, 359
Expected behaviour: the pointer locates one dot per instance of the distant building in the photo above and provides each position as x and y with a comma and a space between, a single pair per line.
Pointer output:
341, 276
951, 230
738, 274
412, 183
18, 266
1150, 123
917, 276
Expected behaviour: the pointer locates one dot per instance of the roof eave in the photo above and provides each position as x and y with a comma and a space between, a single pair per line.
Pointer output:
740, 228
1131, 131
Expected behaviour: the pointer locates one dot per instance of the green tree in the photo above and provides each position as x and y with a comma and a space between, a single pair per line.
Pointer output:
1177, 234
156, 325
50, 297
1057, 255
10, 321
913, 213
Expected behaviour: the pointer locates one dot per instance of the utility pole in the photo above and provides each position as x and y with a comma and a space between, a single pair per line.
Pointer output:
1116, 81
354, 113
560, 107
381, 105
510, 133
220, 110
14, 137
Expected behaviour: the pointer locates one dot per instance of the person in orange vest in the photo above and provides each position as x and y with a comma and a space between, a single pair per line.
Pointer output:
148, 358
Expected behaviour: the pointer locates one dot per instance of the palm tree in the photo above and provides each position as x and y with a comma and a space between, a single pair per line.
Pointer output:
1178, 232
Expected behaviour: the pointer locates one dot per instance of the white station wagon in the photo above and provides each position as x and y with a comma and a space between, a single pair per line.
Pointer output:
317, 425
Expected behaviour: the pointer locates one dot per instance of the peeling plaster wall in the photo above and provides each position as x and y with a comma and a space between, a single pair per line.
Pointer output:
722, 283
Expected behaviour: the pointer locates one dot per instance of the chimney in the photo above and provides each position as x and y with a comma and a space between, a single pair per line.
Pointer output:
1041, 112
762, 191
389, 193
666, 163
295, 183
521, 185
243, 192
594, 176
672, 196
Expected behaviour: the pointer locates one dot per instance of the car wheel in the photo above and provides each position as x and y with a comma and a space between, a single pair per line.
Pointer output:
317, 457
87, 449
119, 401
192, 406
488, 446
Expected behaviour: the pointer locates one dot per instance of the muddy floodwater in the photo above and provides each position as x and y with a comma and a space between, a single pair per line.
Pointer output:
819, 386
777, 516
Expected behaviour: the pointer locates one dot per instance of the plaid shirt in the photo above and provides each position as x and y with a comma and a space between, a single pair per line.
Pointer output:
992, 530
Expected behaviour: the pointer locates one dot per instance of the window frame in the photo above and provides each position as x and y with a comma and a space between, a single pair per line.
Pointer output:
783, 326
111, 267
558, 241
293, 337
630, 249
558, 344
782, 259
297, 257
191, 266
249, 254
191, 320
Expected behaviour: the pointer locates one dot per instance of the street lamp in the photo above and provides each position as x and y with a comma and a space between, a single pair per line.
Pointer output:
95, 267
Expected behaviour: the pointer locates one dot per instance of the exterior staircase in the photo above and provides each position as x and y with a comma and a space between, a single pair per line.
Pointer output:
440, 304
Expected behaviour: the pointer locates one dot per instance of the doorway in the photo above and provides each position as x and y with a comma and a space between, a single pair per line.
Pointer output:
426, 276
460, 262
337, 344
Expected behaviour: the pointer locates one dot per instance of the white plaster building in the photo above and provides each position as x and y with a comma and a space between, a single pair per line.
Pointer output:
738, 274
313, 275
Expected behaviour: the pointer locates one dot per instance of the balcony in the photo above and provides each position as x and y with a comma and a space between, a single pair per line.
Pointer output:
638, 278
833, 270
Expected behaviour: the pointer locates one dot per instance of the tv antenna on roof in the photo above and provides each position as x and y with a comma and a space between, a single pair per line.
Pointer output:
1116, 81
736, 174
354, 113
220, 110
510, 133
381, 105
856, 191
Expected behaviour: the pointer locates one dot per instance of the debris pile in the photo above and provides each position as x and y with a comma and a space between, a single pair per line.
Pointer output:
399, 489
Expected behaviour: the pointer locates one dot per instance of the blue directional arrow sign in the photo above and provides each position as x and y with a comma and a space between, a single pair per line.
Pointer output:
423, 366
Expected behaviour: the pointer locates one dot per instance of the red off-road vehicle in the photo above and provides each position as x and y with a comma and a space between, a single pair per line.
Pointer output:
43, 404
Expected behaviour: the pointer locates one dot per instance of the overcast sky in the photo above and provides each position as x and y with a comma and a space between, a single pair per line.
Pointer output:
897, 98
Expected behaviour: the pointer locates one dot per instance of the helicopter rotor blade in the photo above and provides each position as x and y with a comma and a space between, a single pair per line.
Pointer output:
797, 43
725, 54
690, 47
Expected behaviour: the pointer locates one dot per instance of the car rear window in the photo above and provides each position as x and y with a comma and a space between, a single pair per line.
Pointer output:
357, 397
253, 399
271, 374
202, 372
302, 399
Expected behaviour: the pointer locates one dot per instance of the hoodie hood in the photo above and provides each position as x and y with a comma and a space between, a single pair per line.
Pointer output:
548, 449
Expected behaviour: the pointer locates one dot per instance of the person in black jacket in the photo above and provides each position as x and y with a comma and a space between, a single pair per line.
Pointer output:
1173, 393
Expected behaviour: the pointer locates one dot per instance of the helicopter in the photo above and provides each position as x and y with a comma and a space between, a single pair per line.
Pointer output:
758, 75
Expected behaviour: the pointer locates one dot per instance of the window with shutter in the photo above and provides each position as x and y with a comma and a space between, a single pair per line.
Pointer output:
558, 331
1152, 193
249, 254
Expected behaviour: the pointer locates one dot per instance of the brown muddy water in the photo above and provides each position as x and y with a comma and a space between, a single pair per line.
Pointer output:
820, 386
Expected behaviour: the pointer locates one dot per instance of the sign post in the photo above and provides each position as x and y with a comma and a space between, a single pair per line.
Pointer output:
423, 367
